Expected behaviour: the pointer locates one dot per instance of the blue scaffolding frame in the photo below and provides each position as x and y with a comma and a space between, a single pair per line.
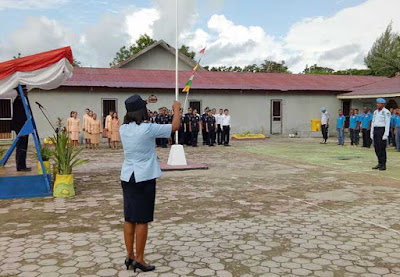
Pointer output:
29, 185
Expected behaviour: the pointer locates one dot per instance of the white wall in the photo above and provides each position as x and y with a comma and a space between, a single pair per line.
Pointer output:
157, 58
250, 112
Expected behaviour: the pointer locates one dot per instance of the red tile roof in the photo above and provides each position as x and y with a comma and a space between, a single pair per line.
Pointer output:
135, 78
387, 86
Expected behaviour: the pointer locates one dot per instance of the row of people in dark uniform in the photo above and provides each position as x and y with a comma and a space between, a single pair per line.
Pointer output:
215, 128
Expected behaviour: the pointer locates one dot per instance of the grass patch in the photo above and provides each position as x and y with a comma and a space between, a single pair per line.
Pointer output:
355, 159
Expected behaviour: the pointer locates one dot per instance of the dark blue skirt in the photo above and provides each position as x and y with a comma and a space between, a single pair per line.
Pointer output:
139, 200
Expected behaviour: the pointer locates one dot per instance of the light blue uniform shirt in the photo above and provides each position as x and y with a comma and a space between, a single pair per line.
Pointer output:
140, 151
353, 121
397, 122
366, 118
340, 121
392, 121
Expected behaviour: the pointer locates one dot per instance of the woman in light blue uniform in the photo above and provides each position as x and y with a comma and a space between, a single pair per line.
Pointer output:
138, 175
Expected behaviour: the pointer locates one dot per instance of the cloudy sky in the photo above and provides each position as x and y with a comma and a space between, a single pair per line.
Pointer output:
333, 33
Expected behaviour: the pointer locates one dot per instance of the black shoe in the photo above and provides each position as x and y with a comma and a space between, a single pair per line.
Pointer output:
128, 263
144, 268
378, 166
383, 167
27, 169
211, 145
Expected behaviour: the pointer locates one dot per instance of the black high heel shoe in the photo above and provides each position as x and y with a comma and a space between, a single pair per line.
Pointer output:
128, 263
144, 268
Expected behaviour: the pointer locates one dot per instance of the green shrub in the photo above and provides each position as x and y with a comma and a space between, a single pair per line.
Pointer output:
65, 155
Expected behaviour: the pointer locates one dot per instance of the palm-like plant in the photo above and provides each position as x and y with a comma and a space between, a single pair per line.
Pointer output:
65, 155
46, 153
384, 56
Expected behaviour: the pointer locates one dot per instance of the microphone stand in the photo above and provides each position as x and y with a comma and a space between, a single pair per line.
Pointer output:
45, 113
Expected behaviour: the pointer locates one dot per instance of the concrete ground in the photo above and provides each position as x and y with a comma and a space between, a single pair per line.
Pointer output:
278, 207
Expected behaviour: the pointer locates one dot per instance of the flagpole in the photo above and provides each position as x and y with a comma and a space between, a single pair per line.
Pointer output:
177, 153
176, 63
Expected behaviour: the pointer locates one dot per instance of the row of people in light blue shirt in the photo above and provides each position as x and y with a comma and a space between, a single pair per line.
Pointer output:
358, 122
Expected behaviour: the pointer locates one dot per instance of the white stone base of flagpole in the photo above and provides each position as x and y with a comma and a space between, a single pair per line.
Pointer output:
177, 155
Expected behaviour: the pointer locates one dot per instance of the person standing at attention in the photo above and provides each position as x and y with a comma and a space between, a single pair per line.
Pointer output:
115, 126
226, 127
108, 127
95, 130
194, 127
18, 121
366, 120
68, 123
340, 121
218, 119
210, 128
380, 132
352, 127
392, 127
86, 135
139, 173
324, 125
390, 138
74, 129
213, 113
357, 129
204, 133
397, 129
186, 127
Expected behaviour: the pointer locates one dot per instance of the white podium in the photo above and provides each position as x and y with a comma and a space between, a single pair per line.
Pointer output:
177, 155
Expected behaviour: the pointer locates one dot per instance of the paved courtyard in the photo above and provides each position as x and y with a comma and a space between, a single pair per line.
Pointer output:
273, 208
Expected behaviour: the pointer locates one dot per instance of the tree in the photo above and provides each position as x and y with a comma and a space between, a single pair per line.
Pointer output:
274, 67
315, 69
355, 72
251, 68
384, 57
125, 53
185, 50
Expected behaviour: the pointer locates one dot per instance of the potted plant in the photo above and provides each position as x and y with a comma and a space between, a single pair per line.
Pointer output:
66, 158
46, 153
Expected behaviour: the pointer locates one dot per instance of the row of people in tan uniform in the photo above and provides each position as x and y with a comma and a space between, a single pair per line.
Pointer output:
92, 129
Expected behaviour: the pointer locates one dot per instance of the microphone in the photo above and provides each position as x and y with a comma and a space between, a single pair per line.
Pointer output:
40, 106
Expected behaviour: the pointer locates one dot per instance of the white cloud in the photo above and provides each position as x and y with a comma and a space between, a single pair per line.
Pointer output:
30, 4
341, 41
230, 44
164, 27
141, 22
36, 35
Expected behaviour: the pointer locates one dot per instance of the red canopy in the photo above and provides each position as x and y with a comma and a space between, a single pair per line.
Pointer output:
35, 62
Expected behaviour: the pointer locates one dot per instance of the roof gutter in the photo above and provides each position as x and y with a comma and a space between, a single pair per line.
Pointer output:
367, 96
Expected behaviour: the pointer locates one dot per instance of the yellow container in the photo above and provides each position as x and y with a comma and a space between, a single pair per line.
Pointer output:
64, 186
54, 173
46, 166
315, 125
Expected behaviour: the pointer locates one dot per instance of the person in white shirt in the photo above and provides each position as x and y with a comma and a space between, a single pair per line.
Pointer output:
214, 114
226, 126
380, 132
324, 125
218, 119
